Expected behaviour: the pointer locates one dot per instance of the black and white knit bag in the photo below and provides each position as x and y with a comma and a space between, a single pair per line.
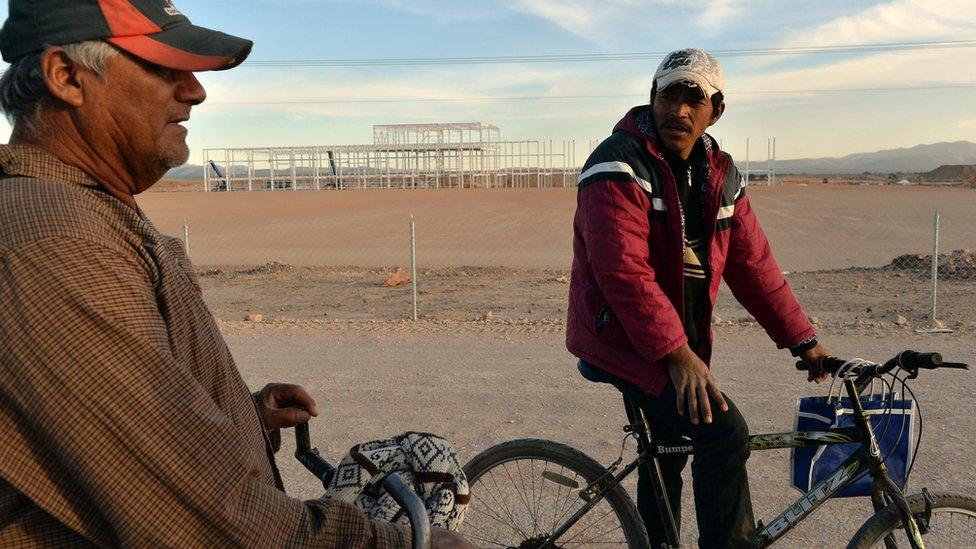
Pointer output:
426, 462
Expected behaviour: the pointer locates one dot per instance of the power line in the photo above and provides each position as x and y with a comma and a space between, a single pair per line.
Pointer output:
595, 57
968, 85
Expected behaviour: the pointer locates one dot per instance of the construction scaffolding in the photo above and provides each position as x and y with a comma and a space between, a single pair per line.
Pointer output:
423, 134
403, 156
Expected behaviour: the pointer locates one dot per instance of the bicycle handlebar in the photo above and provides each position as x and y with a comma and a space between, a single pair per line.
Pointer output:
907, 360
414, 507
399, 490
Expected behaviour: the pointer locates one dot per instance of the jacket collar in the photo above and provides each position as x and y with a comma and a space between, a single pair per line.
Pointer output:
639, 121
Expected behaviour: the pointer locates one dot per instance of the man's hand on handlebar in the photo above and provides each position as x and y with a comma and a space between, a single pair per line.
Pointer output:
694, 384
812, 358
445, 539
282, 405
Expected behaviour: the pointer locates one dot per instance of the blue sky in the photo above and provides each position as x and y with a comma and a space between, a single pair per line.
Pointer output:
257, 106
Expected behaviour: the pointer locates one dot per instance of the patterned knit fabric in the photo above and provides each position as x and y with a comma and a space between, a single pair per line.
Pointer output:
426, 462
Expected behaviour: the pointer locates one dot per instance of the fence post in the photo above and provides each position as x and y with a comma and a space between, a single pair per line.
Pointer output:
413, 263
186, 237
935, 267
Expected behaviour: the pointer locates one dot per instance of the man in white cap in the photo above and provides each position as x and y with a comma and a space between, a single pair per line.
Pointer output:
661, 219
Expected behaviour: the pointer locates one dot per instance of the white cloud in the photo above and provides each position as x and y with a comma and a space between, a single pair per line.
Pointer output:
340, 93
895, 21
882, 70
614, 24
599, 19
441, 10
576, 16
718, 13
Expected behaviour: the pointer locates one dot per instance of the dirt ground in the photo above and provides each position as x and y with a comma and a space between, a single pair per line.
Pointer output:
811, 227
479, 381
479, 384
850, 298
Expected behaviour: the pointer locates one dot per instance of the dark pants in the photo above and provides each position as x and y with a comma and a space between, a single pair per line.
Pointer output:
721, 486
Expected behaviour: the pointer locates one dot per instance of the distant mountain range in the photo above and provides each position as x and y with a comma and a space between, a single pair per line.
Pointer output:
186, 171
920, 158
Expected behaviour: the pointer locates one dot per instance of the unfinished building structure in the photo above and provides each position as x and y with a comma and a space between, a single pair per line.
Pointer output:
459, 155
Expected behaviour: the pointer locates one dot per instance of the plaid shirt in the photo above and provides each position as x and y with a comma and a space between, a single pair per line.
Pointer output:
123, 418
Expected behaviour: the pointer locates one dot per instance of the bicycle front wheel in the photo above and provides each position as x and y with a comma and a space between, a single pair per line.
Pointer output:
953, 523
524, 490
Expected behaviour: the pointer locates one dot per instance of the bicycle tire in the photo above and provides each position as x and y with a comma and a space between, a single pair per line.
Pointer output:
492, 513
888, 521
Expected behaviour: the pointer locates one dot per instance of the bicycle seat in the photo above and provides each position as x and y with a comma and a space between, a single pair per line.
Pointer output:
592, 373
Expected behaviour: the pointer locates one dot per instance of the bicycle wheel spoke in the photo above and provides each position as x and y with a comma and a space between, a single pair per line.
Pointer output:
571, 502
508, 524
521, 500
559, 490
537, 494
558, 499
949, 527
514, 523
493, 517
529, 507
521, 493
583, 530
468, 534
597, 537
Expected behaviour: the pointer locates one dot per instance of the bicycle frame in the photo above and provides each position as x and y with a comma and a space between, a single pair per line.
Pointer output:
866, 460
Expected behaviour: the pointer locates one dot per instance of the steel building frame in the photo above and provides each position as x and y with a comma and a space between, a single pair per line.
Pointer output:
464, 155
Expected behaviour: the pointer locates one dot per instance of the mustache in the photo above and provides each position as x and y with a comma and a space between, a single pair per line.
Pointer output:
677, 124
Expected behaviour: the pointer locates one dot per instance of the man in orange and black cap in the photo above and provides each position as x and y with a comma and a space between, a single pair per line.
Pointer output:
123, 417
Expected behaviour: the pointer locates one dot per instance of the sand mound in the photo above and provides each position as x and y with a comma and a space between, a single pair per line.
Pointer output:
951, 173
272, 267
955, 265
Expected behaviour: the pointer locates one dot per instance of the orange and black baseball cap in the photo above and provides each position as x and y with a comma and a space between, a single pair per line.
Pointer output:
153, 30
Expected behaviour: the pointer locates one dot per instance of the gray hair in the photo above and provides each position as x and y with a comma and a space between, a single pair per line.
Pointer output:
23, 93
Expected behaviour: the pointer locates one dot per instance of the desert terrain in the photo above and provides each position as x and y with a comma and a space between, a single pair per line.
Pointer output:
311, 263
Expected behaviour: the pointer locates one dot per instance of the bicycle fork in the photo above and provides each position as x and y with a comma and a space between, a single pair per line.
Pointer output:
884, 490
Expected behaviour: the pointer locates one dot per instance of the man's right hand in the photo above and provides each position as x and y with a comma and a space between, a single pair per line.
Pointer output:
694, 384
445, 539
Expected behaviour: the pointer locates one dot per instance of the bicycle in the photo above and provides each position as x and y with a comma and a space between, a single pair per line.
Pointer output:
538, 494
399, 490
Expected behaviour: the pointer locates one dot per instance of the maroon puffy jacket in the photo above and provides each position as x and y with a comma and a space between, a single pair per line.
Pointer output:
626, 294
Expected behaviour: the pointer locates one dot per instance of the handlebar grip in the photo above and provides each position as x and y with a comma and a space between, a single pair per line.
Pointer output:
310, 458
912, 360
909, 360
302, 441
829, 363
413, 506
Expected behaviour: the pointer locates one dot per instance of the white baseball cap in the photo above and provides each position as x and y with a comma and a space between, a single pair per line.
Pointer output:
693, 67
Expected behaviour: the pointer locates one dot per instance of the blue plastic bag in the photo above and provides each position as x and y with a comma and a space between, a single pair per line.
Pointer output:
894, 431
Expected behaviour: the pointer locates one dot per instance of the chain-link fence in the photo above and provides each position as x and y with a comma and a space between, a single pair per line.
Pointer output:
505, 254
951, 271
